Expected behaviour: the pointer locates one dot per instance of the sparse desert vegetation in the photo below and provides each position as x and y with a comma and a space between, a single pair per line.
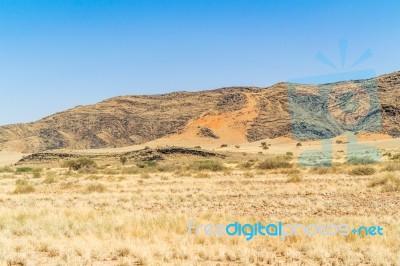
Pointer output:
137, 213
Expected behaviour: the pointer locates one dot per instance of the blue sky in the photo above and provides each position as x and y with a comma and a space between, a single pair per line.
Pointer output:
57, 54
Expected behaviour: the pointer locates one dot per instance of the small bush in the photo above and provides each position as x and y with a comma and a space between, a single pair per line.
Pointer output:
363, 170
79, 163
207, 165
197, 147
123, 160
247, 165
224, 145
395, 157
99, 188
361, 160
274, 163
299, 144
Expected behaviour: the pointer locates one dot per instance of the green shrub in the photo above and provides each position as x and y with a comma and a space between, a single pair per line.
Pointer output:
361, 160
363, 170
79, 163
274, 163
224, 145
211, 165
123, 160
24, 169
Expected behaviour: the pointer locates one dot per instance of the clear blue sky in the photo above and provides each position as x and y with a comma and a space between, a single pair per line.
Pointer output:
56, 54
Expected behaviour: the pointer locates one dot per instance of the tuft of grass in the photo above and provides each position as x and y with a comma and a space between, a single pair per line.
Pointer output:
6, 169
99, 188
274, 163
210, 165
392, 167
395, 157
247, 165
36, 175
88, 170
49, 179
145, 176
363, 170
130, 170
146, 164
23, 187
387, 183
110, 172
295, 178
202, 175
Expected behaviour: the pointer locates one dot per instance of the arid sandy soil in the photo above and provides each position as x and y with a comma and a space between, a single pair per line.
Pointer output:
138, 214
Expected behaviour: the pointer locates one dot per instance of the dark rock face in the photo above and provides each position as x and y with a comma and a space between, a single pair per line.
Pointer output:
144, 155
232, 102
208, 133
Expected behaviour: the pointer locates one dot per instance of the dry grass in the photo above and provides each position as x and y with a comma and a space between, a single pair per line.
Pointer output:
363, 170
274, 163
388, 183
139, 216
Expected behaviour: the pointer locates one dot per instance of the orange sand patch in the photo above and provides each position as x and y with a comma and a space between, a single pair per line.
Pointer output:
230, 127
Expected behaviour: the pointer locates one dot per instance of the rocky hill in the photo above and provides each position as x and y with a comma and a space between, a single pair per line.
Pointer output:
234, 115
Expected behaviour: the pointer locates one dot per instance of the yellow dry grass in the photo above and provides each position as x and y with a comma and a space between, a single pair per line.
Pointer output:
135, 216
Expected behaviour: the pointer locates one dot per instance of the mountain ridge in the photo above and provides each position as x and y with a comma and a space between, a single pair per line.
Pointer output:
226, 115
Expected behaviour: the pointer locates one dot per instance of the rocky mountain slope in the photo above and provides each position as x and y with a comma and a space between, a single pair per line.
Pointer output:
231, 115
